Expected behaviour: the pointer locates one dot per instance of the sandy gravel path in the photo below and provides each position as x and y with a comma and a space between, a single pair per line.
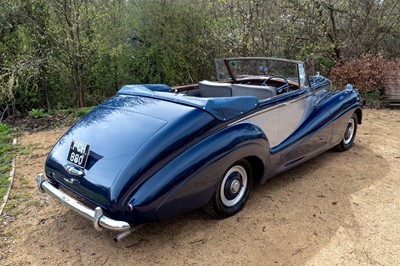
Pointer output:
337, 209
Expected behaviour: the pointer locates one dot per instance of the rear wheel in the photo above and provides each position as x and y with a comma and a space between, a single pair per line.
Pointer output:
232, 192
349, 134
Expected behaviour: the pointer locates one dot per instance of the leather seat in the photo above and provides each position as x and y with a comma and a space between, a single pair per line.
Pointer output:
214, 89
261, 92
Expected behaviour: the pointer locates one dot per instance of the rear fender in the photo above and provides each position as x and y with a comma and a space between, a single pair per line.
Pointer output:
189, 180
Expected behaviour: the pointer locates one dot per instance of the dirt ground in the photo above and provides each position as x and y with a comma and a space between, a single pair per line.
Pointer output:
337, 209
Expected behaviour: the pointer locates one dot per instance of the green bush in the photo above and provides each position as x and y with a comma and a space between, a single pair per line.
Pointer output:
83, 111
5, 129
37, 113
375, 98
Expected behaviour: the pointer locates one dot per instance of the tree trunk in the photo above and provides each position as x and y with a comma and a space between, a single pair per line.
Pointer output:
79, 85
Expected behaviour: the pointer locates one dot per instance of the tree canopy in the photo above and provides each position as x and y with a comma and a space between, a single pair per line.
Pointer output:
65, 53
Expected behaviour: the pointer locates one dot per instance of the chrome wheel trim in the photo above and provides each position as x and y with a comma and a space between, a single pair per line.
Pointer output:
236, 185
348, 135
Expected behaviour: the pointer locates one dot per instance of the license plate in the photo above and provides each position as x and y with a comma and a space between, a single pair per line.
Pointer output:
78, 153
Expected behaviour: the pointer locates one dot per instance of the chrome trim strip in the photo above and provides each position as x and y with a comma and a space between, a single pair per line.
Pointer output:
300, 98
96, 216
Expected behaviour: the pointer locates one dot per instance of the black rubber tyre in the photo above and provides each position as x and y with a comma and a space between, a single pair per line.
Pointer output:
232, 192
349, 135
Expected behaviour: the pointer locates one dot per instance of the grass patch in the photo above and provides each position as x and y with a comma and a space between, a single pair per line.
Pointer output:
26, 149
7, 153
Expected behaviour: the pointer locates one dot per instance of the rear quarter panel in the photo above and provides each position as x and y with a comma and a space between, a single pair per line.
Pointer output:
189, 181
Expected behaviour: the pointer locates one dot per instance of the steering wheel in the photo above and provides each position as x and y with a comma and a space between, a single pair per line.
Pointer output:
281, 89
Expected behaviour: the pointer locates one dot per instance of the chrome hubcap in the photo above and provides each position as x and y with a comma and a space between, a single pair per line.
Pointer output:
348, 135
233, 186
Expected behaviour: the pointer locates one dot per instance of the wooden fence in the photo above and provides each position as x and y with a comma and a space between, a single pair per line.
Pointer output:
392, 83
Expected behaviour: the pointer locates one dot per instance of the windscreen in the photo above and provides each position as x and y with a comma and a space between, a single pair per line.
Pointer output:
249, 67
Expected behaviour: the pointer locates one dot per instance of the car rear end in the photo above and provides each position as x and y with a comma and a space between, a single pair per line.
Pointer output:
98, 162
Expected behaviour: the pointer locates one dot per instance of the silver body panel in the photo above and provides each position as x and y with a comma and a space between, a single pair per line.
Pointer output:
280, 121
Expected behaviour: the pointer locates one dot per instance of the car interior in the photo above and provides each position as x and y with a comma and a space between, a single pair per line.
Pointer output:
261, 90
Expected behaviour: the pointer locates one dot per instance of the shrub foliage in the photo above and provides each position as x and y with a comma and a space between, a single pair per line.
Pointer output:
366, 73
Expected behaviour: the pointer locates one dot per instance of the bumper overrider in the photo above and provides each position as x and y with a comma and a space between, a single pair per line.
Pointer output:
96, 216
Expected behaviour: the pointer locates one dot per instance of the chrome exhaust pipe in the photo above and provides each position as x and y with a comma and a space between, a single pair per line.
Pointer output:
122, 235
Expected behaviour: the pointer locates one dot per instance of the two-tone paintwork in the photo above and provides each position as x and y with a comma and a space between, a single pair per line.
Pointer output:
162, 156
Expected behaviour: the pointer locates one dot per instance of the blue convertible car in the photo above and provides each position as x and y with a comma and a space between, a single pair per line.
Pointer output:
152, 152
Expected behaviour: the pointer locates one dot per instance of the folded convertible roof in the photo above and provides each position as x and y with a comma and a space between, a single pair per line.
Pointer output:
222, 108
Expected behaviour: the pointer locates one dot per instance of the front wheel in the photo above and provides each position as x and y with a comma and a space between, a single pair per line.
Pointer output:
232, 192
349, 134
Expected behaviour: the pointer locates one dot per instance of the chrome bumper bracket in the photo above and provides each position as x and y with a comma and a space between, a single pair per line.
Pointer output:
96, 216
98, 213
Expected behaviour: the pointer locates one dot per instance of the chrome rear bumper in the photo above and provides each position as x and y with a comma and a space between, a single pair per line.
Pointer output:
96, 216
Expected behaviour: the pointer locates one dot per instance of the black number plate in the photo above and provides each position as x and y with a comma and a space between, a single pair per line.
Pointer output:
78, 153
